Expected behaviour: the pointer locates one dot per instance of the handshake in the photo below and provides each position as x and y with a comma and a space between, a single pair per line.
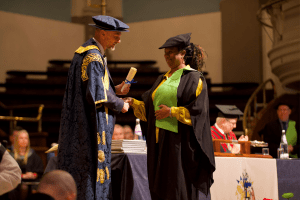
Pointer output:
127, 103
128, 100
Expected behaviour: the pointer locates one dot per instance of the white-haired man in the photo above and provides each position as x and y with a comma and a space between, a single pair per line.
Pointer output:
89, 108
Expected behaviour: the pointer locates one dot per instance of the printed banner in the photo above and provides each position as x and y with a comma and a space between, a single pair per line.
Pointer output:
240, 178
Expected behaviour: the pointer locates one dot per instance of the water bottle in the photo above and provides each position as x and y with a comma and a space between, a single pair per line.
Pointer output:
138, 130
284, 146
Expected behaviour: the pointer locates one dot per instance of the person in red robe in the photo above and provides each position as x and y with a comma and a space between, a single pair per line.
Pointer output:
222, 129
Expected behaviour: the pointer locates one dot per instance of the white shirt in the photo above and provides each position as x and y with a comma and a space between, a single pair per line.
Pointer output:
10, 173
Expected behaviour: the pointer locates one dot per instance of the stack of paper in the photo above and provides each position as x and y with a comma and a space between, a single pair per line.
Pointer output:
128, 146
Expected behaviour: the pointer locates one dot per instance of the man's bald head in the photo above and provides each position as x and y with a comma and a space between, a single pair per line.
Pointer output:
59, 184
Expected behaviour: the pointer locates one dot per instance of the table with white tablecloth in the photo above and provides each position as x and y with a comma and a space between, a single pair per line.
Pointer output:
235, 178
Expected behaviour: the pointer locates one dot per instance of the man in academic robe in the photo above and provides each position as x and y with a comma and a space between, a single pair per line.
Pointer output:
222, 129
88, 115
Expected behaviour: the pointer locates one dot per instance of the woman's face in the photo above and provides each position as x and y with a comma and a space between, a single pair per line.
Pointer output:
23, 140
173, 57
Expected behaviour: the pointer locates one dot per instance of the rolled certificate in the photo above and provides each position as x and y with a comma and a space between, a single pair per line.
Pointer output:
129, 78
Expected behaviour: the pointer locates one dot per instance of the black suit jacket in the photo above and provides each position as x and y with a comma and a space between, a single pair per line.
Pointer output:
272, 135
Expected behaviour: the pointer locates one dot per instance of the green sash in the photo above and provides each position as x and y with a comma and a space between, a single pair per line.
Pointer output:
167, 94
291, 136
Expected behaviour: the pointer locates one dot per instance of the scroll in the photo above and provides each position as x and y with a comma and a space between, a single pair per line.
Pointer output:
129, 78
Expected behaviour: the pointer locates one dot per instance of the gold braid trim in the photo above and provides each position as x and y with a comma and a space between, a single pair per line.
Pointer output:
156, 134
101, 156
82, 49
86, 61
106, 112
101, 101
98, 138
107, 173
103, 138
105, 95
100, 175
199, 87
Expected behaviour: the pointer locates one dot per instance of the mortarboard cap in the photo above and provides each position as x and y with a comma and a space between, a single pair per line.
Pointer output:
180, 41
109, 23
54, 148
229, 111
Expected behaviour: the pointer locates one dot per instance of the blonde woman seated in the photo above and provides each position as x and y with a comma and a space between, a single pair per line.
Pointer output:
30, 163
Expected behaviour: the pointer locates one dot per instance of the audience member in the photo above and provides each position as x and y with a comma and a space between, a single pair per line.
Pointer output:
10, 172
12, 137
273, 130
223, 127
58, 185
52, 163
118, 133
128, 133
30, 163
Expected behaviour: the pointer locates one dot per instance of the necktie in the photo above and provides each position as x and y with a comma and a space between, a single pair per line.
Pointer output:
284, 126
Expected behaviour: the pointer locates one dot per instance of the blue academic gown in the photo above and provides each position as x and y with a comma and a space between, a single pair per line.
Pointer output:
87, 123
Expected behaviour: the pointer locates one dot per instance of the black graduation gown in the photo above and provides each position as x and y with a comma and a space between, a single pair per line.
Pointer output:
183, 161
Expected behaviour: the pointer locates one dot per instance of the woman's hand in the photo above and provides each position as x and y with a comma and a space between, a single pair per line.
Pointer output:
163, 112
119, 87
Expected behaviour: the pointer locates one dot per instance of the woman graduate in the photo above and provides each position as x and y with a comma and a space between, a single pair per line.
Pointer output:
177, 129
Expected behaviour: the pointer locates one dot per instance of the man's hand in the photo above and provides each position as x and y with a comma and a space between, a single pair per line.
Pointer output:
119, 87
125, 107
163, 112
237, 147
128, 100
243, 138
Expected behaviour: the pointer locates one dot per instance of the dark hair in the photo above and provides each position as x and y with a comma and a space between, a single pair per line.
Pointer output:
194, 56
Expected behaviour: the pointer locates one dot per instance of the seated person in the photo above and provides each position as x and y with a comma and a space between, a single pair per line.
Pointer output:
30, 163
273, 130
58, 185
223, 127
12, 137
52, 163
118, 133
10, 173
128, 133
